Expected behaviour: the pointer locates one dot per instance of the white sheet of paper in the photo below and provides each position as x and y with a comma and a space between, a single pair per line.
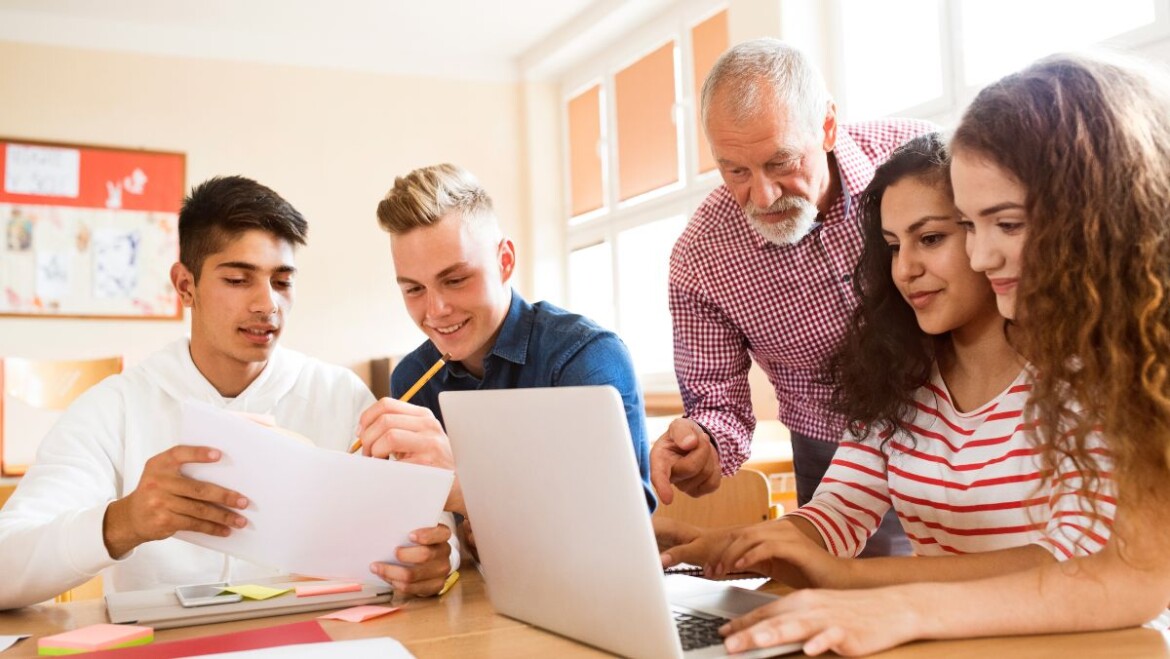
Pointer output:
311, 511
9, 641
364, 648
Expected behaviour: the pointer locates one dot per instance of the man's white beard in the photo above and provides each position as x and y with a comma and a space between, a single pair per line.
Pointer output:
790, 230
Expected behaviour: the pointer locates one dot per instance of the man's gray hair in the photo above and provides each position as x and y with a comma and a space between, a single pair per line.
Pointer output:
760, 66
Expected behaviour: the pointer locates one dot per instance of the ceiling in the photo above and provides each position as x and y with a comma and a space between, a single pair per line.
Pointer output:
466, 39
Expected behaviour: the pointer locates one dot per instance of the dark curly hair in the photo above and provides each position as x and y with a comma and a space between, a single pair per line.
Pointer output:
886, 356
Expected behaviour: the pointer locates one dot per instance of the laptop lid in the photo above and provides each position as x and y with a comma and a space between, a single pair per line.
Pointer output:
565, 542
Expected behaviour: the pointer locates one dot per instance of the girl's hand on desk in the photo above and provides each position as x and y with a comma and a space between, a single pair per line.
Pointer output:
850, 623
424, 567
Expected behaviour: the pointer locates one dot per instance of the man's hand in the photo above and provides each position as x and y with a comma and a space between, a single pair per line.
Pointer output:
424, 567
409, 433
684, 456
166, 502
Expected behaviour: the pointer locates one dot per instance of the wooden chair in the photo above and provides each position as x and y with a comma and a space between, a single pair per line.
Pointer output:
34, 394
745, 498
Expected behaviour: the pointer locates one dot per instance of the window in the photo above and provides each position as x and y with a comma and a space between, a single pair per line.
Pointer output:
638, 167
927, 58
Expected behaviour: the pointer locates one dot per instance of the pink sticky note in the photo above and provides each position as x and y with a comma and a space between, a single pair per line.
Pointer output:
361, 613
96, 637
310, 590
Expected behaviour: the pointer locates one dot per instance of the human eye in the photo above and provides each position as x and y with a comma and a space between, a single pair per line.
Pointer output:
893, 247
235, 281
412, 290
1011, 226
283, 284
456, 281
786, 166
932, 239
965, 224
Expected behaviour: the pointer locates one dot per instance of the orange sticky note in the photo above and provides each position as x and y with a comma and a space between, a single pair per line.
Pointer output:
360, 613
327, 588
94, 637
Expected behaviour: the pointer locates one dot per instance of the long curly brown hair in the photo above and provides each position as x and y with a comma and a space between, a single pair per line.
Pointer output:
1088, 137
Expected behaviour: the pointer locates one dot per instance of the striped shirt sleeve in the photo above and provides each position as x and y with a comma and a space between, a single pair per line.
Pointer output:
1080, 524
852, 498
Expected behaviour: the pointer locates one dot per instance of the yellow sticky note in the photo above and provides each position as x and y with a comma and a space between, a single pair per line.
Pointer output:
254, 592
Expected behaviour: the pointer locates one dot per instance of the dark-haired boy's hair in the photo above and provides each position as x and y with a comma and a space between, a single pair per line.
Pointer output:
223, 207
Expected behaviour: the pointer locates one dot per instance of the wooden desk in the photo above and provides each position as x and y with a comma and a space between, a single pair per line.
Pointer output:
462, 623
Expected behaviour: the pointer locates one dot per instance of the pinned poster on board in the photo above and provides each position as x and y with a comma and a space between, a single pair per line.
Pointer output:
88, 231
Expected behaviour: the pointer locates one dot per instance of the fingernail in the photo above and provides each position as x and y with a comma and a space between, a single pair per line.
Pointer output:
725, 628
213, 454
734, 643
242, 502
240, 522
413, 537
740, 564
374, 568
762, 637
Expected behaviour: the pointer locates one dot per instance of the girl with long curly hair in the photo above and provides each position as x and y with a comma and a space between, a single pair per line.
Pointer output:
1062, 174
935, 393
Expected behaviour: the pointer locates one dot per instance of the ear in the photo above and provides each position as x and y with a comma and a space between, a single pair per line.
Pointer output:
830, 127
184, 282
506, 256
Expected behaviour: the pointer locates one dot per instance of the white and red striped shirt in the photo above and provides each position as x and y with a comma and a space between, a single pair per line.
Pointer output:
734, 294
960, 483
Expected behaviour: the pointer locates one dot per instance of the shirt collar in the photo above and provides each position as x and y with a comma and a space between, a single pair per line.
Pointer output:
512, 341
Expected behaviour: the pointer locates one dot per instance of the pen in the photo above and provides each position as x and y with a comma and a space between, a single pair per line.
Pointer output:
413, 390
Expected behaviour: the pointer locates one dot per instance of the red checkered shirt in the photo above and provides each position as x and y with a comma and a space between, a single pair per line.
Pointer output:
734, 297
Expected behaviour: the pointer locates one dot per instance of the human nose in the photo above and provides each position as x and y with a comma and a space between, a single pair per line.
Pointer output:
981, 252
906, 265
764, 192
436, 304
266, 300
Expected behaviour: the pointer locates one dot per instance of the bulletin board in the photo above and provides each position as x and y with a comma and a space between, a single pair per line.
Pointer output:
89, 231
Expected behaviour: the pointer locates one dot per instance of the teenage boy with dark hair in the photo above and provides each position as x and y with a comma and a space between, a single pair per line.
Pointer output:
106, 492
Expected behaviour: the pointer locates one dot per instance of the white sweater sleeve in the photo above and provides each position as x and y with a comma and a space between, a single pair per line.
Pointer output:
852, 498
51, 529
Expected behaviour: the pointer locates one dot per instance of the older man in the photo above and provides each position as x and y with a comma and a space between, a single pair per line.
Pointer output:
763, 269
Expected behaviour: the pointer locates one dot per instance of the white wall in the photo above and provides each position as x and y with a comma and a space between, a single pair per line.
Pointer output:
331, 142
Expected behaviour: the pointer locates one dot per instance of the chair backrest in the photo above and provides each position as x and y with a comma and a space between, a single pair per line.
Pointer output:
745, 498
34, 394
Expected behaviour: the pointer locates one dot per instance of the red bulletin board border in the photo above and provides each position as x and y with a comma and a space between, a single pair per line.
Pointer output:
104, 170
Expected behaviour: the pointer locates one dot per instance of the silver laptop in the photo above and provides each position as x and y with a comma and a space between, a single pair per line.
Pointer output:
564, 538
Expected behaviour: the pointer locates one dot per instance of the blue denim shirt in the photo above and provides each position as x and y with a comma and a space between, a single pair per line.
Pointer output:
539, 345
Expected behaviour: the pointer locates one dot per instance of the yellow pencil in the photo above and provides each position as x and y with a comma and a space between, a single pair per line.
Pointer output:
357, 445
451, 579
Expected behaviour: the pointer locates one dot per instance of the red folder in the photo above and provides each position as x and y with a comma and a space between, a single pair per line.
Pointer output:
309, 631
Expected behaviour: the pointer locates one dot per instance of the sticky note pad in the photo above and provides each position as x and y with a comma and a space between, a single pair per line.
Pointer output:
327, 588
360, 613
95, 637
254, 592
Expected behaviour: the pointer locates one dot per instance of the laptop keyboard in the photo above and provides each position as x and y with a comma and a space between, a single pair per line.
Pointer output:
698, 631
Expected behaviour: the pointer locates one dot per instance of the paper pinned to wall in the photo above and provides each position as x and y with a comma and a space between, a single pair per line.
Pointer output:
311, 511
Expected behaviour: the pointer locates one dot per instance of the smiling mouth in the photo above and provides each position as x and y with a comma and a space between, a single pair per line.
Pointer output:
450, 329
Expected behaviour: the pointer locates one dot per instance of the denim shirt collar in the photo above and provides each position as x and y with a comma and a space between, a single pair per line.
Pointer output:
512, 341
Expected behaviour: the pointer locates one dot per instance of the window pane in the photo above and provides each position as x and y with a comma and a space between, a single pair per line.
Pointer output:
647, 136
893, 58
585, 191
643, 265
591, 283
1001, 36
708, 41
